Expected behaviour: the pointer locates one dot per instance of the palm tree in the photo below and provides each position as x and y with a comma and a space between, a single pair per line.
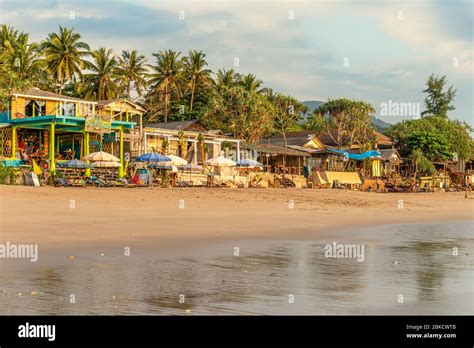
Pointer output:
251, 84
8, 37
226, 79
132, 69
19, 55
183, 142
64, 54
167, 76
101, 82
201, 143
21, 64
195, 72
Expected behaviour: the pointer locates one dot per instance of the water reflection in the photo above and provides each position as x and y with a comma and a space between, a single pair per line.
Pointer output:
413, 260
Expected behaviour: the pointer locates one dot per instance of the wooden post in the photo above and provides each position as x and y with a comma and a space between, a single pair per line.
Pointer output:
52, 165
14, 141
121, 154
86, 151
195, 160
238, 150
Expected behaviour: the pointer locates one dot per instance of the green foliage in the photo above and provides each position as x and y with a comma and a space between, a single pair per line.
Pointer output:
164, 146
433, 145
131, 73
315, 123
288, 112
101, 82
167, 77
347, 122
65, 55
165, 178
423, 166
246, 115
438, 101
7, 175
453, 132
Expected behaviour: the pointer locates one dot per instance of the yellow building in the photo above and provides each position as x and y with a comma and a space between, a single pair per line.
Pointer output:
47, 126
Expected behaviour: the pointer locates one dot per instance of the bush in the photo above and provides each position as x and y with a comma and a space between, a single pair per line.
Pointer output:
7, 175
423, 165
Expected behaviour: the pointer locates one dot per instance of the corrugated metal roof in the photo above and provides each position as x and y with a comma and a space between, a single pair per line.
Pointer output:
36, 92
174, 125
272, 149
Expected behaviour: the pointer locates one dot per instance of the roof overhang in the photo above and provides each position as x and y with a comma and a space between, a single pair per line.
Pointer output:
53, 99
66, 123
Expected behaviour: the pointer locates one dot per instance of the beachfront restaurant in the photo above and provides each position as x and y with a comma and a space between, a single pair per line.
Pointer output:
47, 127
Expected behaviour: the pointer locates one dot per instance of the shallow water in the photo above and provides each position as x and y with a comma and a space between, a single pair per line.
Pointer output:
415, 261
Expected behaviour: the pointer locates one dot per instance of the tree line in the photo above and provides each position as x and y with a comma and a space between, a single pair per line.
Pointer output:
181, 87
172, 87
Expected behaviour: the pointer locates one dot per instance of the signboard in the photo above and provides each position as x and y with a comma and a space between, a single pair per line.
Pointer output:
98, 123
110, 137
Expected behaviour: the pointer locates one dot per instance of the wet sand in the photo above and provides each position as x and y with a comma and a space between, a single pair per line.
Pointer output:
60, 218
272, 277
183, 242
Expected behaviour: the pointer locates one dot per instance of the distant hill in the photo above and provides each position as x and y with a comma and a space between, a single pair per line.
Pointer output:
379, 125
312, 105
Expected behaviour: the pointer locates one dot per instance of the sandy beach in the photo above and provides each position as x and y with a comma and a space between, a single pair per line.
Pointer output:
64, 217
182, 241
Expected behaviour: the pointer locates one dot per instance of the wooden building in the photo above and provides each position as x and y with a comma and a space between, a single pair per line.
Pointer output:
182, 138
47, 126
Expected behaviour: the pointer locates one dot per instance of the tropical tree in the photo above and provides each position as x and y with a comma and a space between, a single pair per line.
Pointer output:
288, 111
65, 55
246, 116
20, 55
183, 142
438, 101
347, 122
132, 71
250, 84
201, 143
167, 76
21, 64
454, 133
164, 146
101, 82
433, 145
421, 164
196, 73
226, 79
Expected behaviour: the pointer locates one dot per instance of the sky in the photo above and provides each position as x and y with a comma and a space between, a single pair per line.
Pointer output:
379, 51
